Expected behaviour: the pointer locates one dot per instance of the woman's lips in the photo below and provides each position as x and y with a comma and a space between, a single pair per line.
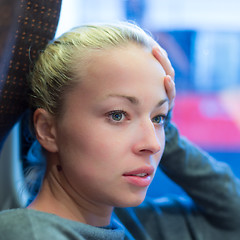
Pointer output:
140, 177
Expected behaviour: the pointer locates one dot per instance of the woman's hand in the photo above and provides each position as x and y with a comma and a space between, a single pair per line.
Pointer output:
161, 55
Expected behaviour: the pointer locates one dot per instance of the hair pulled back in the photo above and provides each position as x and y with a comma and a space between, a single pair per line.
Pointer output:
53, 72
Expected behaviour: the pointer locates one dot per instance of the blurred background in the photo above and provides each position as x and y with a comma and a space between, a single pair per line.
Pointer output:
202, 39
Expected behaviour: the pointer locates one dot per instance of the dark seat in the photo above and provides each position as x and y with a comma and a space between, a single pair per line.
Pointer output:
25, 28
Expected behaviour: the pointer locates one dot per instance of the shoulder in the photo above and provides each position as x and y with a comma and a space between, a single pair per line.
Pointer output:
10, 216
24, 224
29, 224
13, 224
22, 216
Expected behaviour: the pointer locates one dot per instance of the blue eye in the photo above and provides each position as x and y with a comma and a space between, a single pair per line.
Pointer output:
116, 116
159, 119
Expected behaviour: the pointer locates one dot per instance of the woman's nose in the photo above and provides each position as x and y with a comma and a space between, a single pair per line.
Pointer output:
148, 139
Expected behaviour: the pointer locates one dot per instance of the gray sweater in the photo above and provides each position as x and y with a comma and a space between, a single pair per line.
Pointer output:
211, 212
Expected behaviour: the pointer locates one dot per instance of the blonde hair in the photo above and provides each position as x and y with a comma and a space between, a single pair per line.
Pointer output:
53, 73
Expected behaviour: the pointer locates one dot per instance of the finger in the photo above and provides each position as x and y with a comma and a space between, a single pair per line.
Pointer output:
161, 55
170, 90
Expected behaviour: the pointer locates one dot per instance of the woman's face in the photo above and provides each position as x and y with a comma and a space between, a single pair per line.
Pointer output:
111, 137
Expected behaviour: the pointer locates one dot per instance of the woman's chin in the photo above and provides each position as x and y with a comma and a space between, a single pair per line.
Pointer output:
130, 201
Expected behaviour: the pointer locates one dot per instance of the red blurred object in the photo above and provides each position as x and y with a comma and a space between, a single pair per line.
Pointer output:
205, 119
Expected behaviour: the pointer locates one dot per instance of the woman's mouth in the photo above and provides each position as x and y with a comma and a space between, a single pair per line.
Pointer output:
140, 177
140, 174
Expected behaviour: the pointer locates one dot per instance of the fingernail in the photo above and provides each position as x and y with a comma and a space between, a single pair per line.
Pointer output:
171, 83
159, 50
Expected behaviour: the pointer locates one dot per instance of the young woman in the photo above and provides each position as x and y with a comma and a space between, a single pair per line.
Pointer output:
99, 108
104, 135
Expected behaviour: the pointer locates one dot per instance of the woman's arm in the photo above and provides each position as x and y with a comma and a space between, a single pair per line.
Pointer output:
211, 184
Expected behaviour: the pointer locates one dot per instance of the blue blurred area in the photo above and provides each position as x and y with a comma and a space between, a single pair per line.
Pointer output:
231, 158
162, 185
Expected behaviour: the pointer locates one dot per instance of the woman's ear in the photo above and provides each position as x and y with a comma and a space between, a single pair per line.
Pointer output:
45, 129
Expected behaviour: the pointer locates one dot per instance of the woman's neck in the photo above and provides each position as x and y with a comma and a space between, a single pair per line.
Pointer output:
53, 198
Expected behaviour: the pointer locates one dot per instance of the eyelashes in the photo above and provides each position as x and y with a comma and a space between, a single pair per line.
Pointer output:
116, 116
119, 116
159, 119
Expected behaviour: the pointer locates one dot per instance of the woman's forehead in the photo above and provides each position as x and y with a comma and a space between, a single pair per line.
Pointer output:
110, 58
121, 69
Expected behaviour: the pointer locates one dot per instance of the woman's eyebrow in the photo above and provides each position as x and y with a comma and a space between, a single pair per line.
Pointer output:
135, 101
131, 99
160, 103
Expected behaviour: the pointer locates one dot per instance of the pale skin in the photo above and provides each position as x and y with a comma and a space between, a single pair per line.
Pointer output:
111, 129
